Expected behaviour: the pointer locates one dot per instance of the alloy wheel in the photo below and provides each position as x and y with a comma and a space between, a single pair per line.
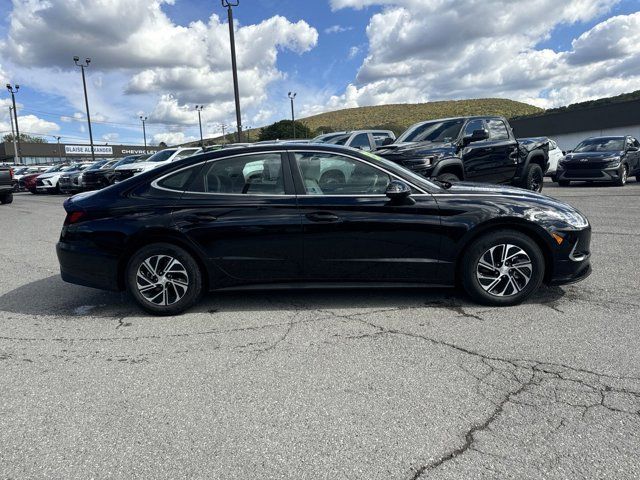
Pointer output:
162, 280
504, 270
536, 182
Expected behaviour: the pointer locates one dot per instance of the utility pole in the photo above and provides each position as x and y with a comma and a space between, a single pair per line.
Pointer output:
59, 151
293, 117
228, 4
13, 91
224, 139
199, 110
144, 132
13, 137
82, 66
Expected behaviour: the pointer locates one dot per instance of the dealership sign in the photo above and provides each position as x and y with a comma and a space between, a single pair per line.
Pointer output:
86, 150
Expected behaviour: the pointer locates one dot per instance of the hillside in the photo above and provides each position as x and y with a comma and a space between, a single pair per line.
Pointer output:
399, 117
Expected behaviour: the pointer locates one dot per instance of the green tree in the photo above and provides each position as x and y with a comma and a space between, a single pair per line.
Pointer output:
24, 138
283, 130
323, 129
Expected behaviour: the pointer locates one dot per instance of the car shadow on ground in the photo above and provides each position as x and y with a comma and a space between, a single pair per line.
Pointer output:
52, 296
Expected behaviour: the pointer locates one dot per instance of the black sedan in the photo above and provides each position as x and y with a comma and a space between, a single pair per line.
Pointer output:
601, 159
267, 217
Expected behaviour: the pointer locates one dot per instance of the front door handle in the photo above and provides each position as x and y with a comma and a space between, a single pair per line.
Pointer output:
322, 217
200, 217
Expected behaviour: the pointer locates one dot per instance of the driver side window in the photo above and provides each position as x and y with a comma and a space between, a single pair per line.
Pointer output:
330, 174
472, 126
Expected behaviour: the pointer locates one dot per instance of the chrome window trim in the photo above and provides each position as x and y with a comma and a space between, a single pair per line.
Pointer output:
155, 185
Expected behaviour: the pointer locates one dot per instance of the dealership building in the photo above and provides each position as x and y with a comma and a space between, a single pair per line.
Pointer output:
50, 153
570, 126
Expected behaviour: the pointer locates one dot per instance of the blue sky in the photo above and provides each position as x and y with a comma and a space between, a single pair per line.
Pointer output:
161, 60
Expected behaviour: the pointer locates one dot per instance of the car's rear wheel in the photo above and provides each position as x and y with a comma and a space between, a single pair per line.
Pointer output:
164, 279
7, 198
564, 183
534, 178
502, 268
623, 177
448, 177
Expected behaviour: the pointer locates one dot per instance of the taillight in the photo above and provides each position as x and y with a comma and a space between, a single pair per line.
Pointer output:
74, 217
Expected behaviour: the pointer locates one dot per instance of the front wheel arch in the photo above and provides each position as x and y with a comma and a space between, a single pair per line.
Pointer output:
515, 224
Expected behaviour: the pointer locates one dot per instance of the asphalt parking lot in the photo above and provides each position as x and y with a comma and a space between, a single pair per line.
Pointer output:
322, 384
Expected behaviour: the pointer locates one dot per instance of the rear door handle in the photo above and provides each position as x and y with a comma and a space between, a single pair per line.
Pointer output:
322, 217
200, 217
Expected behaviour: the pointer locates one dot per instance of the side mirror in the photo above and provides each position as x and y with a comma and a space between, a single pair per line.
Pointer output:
387, 141
397, 190
477, 136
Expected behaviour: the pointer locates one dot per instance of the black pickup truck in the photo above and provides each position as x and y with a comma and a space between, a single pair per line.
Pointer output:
478, 149
6, 184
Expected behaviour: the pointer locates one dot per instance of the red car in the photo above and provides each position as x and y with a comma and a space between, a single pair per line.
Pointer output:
28, 182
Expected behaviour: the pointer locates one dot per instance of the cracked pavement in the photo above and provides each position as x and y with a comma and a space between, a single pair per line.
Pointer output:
388, 384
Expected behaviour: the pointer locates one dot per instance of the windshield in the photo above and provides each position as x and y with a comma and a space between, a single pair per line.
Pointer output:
161, 156
327, 137
338, 140
443, 131
609, 144
124, 161
56, 168
395, 168
97, 165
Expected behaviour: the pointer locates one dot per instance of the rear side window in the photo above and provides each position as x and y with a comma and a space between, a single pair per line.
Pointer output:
246, 175
179, 180
361, 141
497, 130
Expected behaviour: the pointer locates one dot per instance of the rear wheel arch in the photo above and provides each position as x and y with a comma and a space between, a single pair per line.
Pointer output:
149, 237
516, 225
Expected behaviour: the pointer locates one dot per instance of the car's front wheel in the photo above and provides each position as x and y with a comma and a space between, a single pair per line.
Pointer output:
448, 177
6, 198
623, 176
534, 178
164, 279
502, 268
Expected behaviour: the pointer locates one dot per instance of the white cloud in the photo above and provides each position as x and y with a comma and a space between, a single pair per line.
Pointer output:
111, 137
420, 51
353, 51
33, 125
172, 138
337, 29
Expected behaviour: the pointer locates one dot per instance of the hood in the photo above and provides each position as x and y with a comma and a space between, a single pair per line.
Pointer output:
591, 156
416, 149
527, 197
49, 175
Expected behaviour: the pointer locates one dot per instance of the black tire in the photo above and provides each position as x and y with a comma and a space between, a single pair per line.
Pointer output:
564, 183
534, 178
638, 178
192, 278
448, 177
7, 198
34, 191
471, 269
624, 175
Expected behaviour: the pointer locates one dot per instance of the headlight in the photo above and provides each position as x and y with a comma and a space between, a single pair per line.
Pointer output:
613, 162
570, 217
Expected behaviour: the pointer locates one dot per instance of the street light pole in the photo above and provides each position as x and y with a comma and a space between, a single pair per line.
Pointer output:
228, 4
199, 109
59, 151
13, 137
293, 117
144, 132
13, 92
82, 66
